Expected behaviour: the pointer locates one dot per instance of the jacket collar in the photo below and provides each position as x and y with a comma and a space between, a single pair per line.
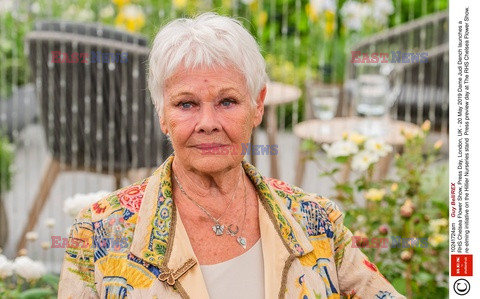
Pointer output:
159, 224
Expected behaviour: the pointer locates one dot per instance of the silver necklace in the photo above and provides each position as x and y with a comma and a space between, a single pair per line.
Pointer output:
217, 228
233, 232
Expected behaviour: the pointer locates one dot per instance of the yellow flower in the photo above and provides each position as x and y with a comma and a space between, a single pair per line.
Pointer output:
394, 187
262, 18
374, 194
311, 13
120, 3
437, 239
409, 134
437, 224
438, 144
357, 138
253, 4
227, 4
426, 126
131, 17
329, 23
179, 4
344, 135
329, 15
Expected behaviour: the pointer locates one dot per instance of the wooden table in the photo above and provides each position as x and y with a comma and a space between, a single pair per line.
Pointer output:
329, 131
277, 94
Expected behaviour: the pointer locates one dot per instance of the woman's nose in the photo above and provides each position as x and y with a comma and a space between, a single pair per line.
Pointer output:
208, 119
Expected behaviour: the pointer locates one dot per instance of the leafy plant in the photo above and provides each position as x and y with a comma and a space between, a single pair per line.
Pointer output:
13, 65
25, 279
6, 161
408, 211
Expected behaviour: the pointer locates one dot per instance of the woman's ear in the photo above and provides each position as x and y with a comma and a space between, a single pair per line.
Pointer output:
260, 106
163, 123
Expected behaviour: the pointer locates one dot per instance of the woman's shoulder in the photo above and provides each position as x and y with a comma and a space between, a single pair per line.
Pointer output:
302, 203
123, 204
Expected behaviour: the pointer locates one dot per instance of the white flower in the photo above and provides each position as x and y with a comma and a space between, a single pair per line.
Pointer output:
363, 160
378, 147
381, 9
35, 8
28, 269
354, 23
321, 5
341, 148
85, 15
132, 11
45, 245
107, 12
353, 14
50, 222
74, 12
6, 267
361, 219
31, 236
359, 139
6, 6
247, 2
73, 205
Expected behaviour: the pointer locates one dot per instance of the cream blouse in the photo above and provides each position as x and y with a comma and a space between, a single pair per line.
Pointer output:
240, 277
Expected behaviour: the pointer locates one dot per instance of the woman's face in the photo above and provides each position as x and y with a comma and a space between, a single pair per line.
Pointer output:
209, 116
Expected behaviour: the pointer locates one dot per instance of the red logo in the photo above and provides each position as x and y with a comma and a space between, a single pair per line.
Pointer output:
461, 265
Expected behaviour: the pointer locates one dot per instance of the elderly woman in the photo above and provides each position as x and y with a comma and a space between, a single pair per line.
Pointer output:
207, 224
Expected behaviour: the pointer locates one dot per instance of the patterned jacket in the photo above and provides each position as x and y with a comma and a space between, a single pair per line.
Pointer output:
133, 244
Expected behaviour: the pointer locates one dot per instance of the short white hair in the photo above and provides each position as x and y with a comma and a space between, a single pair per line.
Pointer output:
209, 40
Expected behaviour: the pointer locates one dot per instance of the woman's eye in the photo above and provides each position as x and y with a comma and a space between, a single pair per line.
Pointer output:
227, 102
186, 105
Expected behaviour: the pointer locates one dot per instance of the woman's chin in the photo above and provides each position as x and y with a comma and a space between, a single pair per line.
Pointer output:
213, 163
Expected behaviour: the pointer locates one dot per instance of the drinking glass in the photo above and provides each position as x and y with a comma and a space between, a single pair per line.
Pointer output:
371, 102
324, 100
372, 95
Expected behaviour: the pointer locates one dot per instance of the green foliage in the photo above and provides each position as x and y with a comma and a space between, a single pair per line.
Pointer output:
6, 161
15, 287
408, 205
290, 29
13, 66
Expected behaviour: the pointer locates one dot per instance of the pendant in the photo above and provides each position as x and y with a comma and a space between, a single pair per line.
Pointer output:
242, 241
218, 229
232, 229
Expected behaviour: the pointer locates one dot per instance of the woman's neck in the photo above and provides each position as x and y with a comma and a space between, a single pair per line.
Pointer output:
202, 186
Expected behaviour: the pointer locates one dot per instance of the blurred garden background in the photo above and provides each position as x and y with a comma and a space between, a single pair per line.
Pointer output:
384, 165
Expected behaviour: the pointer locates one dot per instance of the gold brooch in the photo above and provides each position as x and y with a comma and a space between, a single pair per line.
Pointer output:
170, 276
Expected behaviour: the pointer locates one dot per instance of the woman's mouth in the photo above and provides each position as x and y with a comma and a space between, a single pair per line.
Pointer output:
209, 146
